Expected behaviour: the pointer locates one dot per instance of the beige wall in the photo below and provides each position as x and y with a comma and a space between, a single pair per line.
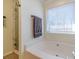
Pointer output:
8, 30
66, 38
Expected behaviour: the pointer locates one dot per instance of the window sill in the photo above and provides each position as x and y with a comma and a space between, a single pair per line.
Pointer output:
61, 32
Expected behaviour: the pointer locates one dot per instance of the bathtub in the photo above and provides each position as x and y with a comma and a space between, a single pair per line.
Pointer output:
47, 49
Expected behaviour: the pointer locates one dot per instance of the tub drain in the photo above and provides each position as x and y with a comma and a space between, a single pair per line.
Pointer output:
57, 55
57, 45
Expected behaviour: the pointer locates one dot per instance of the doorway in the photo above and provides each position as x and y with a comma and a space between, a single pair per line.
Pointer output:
10, 27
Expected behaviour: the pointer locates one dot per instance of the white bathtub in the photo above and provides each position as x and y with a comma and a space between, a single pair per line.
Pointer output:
52, 50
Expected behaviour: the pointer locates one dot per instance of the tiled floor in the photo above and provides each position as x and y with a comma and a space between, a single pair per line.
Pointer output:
30, 56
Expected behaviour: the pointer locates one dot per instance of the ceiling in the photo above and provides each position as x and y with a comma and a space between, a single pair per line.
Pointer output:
47, 1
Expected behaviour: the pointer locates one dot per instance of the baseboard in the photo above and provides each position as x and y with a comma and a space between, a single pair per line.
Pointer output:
16, 52
8, 53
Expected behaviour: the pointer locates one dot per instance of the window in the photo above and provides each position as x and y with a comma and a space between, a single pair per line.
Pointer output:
61, 19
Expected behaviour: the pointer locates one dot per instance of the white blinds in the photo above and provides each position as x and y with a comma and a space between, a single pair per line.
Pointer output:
61, 19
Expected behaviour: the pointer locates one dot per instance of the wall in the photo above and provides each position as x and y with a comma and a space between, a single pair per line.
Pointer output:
9, 29
28, 8
66, 38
